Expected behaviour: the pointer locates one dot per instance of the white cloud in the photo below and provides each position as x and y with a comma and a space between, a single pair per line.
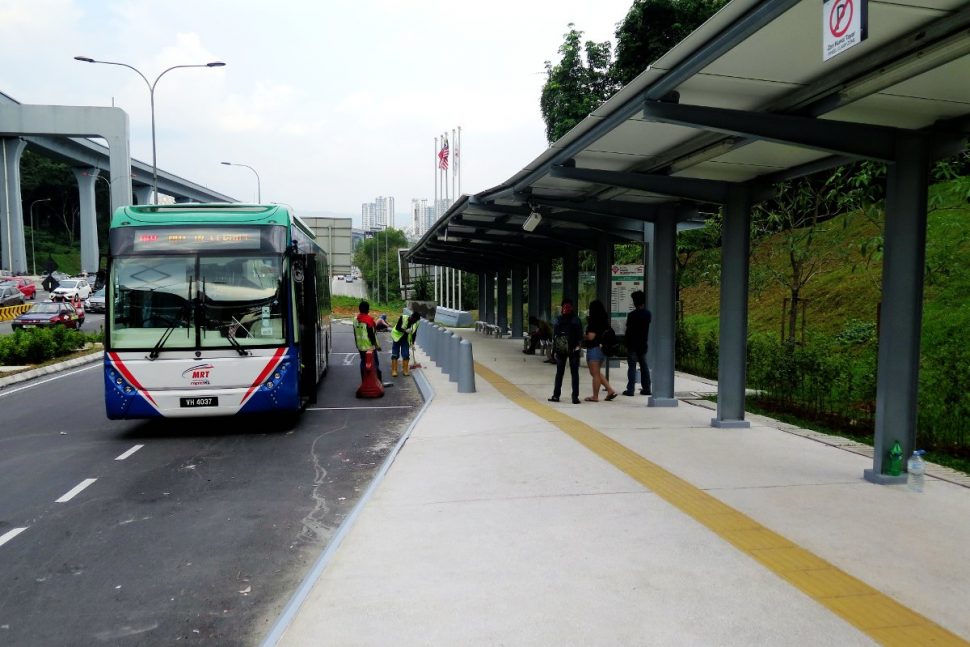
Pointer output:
333, 103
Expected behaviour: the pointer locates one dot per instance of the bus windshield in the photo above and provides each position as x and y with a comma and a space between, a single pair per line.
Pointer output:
196, 301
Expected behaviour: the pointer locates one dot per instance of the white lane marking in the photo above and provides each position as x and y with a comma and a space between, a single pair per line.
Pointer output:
75, 490
7, 536
349, 359
50, 379
395, 406
129, 452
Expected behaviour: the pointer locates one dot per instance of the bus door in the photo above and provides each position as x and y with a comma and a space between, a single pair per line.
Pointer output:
307, 315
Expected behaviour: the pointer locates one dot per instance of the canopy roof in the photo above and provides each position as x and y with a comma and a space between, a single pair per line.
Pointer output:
745, 98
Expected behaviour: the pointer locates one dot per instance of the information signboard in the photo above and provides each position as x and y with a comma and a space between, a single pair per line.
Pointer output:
626, 280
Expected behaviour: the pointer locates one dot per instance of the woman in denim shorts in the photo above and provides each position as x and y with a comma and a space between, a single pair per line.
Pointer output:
596, 325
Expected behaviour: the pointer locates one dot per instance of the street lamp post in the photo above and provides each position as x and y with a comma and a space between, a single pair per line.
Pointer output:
259, 193
151, 95
33, 258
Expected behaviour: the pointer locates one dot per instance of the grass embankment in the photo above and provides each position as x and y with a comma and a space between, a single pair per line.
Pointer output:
842, 303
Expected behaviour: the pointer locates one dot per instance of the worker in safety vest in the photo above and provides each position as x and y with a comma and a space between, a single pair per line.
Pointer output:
365, 336
402, 336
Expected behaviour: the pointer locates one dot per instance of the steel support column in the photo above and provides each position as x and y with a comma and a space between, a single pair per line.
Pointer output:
604, 269
490, 297
482, 304
570, 276
517, 328
545, 290
534, 290
902, 304
86, 179
502, 287
650, 287
733, 338
664, 271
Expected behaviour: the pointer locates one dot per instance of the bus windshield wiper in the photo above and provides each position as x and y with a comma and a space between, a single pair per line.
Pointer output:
183, 315
233, 342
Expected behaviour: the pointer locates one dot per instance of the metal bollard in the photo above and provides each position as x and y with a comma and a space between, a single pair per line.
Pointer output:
453, 342
466, 371
445, 351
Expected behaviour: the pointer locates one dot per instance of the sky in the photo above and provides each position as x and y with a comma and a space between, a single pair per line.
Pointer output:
333, 103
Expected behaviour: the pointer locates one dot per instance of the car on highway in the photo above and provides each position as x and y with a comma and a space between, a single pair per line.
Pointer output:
48, 314
10, 296
70, 289
28, 289
349, 279
95, 302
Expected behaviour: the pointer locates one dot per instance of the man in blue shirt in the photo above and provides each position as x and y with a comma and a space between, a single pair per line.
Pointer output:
637, 332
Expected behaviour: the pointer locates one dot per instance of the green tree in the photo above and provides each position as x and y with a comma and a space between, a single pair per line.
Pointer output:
377, 259
577, 84
797, 212
651, 28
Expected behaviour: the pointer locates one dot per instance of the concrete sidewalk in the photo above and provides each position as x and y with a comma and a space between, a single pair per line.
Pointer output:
509, 520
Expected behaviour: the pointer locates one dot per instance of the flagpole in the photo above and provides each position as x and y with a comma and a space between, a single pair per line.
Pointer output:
458, 159
453, 164
434, 270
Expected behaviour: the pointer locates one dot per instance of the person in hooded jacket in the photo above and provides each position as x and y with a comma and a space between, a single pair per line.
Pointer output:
567, 338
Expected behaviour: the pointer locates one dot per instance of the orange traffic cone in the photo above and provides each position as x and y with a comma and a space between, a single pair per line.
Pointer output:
370, 386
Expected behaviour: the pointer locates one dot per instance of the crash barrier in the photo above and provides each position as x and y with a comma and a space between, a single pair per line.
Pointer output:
451, 353
452, 317
11, 312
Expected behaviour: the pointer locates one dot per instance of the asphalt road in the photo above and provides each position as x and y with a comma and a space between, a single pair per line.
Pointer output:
189, 532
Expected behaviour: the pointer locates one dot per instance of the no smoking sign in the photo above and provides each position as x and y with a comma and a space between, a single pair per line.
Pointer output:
845, 23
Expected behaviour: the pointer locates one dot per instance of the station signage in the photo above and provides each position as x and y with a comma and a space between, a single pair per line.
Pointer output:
626, 280
845, 23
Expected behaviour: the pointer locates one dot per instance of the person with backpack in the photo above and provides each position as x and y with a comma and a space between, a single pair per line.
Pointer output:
599, 338
637, 332
402, 338
567, 338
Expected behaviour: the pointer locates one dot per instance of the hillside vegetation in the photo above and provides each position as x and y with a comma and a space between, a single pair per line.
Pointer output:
828, 372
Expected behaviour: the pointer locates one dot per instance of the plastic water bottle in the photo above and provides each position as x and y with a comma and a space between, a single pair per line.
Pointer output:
916, 468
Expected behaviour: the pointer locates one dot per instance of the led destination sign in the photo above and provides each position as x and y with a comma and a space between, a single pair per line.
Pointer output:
192, 238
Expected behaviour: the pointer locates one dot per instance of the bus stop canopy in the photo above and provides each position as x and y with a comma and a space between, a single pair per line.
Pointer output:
746, 98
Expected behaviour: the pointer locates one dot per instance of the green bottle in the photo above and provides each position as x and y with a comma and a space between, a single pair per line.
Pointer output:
896, 460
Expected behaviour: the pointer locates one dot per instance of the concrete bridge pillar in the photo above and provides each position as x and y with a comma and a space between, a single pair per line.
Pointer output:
143, 194
14, 253
86, 177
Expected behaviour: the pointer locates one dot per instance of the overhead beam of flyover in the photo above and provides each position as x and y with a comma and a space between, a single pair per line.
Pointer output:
111, 124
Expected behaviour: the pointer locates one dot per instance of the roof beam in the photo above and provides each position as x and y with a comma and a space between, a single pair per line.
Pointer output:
628, 210
677, 187
839, 137
523, 244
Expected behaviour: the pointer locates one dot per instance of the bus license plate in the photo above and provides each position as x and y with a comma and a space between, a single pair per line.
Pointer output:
199, 402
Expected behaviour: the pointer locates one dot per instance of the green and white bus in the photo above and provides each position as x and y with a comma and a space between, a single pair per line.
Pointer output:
213, 310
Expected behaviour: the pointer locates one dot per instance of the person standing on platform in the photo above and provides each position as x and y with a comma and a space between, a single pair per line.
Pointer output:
596, 351
365, 336
402, 338
567, 337
637, 333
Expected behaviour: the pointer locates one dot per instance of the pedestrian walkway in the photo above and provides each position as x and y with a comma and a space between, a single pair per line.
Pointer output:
509, 520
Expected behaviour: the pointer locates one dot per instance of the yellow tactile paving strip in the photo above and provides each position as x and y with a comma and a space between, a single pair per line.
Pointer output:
875, 614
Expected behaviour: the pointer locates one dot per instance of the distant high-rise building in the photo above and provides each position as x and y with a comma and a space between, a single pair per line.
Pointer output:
378, 214
368, 216
422, 216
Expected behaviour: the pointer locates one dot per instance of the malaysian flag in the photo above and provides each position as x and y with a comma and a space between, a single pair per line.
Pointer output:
443, 156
